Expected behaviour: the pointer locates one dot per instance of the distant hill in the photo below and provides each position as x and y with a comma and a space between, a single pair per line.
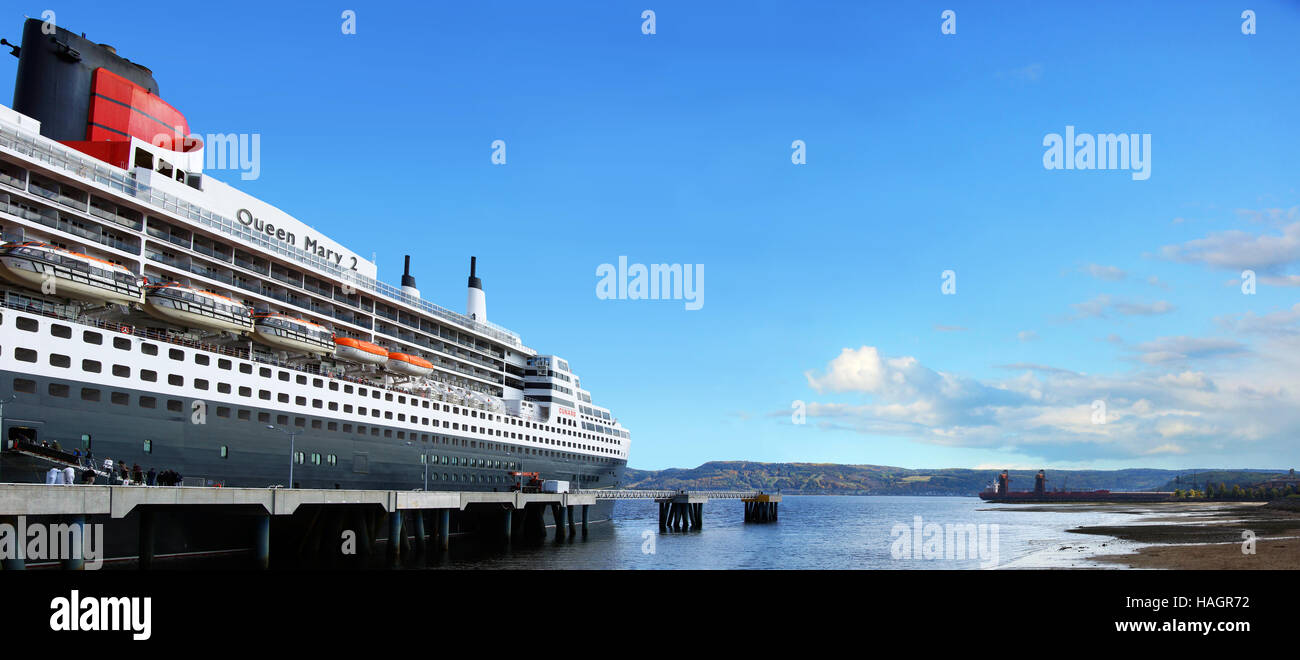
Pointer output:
834, 479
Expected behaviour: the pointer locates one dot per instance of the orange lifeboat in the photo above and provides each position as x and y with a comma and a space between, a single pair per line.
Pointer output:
359, 351
411, 365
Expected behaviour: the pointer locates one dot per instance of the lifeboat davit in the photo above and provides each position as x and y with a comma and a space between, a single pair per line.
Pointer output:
292, 334
195, 308
55, 271
361, 352
411, 365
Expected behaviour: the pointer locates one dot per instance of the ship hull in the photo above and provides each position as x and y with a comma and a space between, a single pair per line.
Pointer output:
1073, 497
255, 456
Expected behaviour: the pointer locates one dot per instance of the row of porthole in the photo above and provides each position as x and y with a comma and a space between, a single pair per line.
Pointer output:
175, 405
88, 336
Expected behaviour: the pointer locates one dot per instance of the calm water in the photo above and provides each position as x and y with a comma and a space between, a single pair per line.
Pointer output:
813, 533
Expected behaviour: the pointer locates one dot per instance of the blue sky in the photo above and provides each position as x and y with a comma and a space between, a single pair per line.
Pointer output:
924, 154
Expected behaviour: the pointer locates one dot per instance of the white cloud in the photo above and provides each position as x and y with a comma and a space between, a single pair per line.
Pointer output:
1282, 322
1026, 335
1108, 273
1266, 253
1182, 349
1225, 408
1103, 305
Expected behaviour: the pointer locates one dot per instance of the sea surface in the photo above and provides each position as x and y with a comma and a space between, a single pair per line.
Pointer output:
814, 532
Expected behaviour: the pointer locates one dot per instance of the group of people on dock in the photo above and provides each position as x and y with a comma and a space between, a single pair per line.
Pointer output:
116, 471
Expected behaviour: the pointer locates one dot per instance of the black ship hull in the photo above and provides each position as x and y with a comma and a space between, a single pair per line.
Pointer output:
234, 452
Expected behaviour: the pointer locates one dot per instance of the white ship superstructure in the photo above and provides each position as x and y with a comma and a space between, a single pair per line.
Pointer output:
133, 283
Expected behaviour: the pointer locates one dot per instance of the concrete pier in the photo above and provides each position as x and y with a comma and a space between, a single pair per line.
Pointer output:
316, 533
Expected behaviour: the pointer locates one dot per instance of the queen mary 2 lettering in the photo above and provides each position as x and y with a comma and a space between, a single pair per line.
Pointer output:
156, 320
309, 244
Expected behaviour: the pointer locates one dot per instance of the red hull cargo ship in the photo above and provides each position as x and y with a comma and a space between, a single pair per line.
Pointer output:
1000, 491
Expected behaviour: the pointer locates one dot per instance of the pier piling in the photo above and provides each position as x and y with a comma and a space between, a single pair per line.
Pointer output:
395, 537
146, 538
421, 546
16, 562
262, 543
74, 560
444, 529
557, 512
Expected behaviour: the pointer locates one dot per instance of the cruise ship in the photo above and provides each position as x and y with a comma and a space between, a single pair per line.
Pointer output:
156, 316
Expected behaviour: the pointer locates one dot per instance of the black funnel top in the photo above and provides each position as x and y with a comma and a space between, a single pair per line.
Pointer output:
407, 280
474, 281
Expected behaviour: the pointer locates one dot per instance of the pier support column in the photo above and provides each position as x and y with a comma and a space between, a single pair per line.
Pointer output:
573, 524
262, 543
15, 563
420, 545
663, 516
74, 559
444, 529
557, 512
361, 526
146, 539
508, 527
699, 516
536, 520
395, 536
584, 519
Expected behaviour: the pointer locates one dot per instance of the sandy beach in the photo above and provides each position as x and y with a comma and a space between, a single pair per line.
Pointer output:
1200, 536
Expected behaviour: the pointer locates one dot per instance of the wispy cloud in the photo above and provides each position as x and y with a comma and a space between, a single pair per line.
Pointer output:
1028, 73
1269, 254
1103, 306
1108, 273
950, 328
1182, 349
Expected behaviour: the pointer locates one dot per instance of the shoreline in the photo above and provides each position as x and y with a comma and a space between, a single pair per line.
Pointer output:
1198, 536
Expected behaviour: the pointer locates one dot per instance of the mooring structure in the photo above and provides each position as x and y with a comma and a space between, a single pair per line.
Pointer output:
317, 518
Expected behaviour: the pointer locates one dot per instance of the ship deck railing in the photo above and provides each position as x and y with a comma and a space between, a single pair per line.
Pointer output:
86, 168
240, 353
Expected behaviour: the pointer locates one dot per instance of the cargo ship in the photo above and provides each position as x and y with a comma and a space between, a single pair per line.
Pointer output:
152, 315
1000, 491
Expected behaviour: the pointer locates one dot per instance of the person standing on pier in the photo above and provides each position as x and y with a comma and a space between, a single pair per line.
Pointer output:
150, 477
